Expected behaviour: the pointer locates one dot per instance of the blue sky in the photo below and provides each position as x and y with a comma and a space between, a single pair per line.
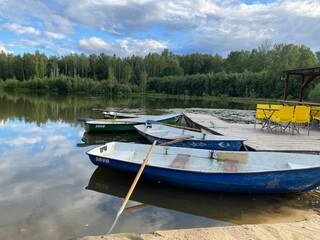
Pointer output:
124, 28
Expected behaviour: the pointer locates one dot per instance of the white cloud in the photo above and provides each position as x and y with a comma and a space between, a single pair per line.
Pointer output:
122, 47
141, 47
94, 45
303, 8
140, 26
19, 29
20, 141
58, 24
2, 49
54, 35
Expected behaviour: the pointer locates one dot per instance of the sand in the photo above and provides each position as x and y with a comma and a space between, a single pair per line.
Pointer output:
306, 229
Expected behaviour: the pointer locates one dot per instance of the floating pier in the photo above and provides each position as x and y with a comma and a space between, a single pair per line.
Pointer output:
257, 139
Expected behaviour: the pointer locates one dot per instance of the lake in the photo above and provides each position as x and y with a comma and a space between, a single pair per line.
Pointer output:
50, 190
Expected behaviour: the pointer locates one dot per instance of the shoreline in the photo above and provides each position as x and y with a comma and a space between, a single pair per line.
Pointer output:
308, 228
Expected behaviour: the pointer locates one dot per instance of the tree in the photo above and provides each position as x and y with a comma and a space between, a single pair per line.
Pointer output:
238, 61
30, 63
93, 65
84, 64
143, 81
153, 64
170, 65
111, 80
41, 67
19, 68
3, 65
318, 57
138, 68
53, 67
126, 73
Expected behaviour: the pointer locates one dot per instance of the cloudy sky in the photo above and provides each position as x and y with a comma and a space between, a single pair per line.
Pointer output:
124, 27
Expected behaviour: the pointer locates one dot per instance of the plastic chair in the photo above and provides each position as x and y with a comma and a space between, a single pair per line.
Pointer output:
315, 114
275, 113
285, 116
301, 115
261, 114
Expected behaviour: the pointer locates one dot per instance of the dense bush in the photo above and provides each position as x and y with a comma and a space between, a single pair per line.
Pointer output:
11, 85
245, 84
34, 85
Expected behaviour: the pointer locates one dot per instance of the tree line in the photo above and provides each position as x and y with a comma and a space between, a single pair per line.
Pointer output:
254, 73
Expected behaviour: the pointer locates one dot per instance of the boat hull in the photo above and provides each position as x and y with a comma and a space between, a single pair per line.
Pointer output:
128, 124
109, 127
279, 181
226, 145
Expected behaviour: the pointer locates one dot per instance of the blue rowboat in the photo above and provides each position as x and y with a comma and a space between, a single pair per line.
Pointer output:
162, 134
224, 171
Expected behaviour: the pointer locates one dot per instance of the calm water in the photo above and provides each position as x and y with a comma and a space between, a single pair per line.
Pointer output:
50, 189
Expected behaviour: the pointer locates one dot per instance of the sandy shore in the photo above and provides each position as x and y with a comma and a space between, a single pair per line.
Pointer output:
306, 229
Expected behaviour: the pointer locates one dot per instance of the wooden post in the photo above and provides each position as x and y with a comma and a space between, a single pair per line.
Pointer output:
286, 87
301, 87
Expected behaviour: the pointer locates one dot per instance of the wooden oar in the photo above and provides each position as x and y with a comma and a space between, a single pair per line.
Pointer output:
139, 174
133, 185
175, 141
141, 205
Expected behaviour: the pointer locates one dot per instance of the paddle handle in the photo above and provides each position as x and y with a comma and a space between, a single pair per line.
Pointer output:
138, 175
175, 141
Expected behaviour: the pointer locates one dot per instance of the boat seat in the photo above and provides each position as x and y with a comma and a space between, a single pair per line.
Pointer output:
124, 155
179, 161
240, 157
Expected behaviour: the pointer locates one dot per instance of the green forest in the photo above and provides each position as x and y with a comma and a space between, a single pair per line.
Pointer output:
252, 74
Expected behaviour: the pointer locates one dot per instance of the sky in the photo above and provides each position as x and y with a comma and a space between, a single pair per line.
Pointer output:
140, 27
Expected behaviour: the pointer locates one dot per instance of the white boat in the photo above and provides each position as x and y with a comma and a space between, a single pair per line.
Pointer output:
227, 171
114, 115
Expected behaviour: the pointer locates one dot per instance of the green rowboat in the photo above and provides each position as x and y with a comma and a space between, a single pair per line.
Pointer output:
127, 124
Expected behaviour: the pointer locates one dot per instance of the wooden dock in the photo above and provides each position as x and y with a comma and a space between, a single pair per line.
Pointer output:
260, 140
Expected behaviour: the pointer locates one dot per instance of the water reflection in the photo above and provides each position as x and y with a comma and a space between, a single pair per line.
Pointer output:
43, 108
99, 138
226, 207
40, 182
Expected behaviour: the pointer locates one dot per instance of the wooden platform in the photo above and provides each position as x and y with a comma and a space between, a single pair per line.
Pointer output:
260, 140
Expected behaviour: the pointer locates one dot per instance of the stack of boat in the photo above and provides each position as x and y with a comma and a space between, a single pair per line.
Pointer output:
204, 161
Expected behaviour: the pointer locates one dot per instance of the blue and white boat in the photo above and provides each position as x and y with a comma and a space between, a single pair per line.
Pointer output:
162, 133
224, 171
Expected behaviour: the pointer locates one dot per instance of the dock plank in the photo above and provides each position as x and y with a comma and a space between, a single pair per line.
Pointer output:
261, 140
